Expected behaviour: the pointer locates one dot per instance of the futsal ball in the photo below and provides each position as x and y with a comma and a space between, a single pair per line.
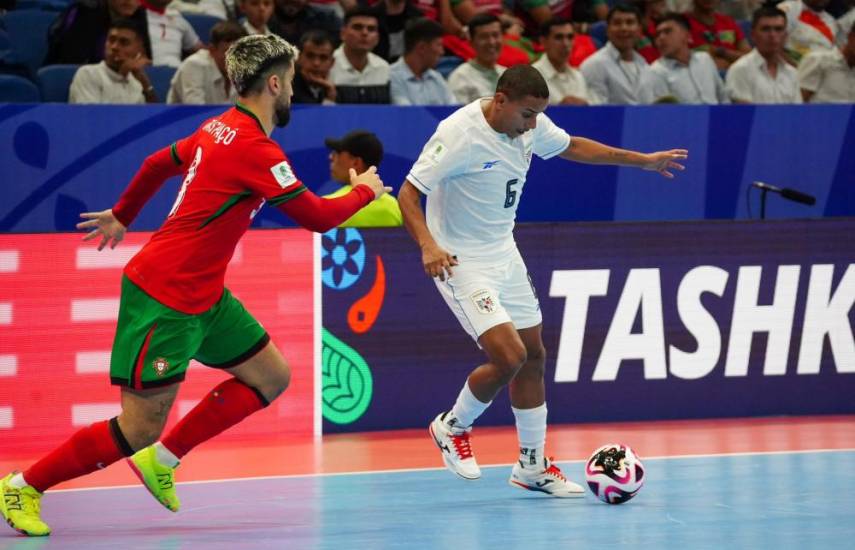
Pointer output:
614, 473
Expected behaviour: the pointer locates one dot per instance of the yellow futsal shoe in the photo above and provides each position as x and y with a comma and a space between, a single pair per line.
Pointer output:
157, 478
21, 508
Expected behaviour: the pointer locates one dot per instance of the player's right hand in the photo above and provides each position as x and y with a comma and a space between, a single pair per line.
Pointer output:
437, 262
105, 224
370, 178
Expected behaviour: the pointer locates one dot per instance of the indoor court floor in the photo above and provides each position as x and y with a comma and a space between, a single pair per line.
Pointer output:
743, 483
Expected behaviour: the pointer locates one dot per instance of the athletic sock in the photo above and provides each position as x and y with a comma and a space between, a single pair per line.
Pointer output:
531, 430
165, 456
466, 409
18, 481
222, 408
92, 448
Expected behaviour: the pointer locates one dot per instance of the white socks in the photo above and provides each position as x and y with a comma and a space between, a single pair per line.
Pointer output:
531, 425
467, 408
18, 481
531, 430
165, 456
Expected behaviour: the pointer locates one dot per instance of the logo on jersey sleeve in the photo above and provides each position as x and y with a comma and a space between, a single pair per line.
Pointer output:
283, 174
490, 163
484, 301
436, 152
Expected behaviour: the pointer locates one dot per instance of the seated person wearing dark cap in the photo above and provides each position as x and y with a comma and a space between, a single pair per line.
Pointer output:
359, 150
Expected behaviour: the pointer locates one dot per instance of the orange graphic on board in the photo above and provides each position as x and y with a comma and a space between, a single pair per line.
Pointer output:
363, 313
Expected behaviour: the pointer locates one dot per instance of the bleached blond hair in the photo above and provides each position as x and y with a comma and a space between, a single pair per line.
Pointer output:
250, 60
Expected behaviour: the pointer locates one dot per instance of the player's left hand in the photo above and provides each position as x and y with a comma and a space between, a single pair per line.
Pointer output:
105, 224
664, 161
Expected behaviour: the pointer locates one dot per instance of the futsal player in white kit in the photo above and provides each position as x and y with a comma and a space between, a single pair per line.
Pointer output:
473, 170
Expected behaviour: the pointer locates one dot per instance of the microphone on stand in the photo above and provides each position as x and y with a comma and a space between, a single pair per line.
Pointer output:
789, 194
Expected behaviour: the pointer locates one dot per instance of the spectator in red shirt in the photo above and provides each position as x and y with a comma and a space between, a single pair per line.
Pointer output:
651, 11
717, 34
515, 49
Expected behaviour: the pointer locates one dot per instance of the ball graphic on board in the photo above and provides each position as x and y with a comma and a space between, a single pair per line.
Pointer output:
614, 473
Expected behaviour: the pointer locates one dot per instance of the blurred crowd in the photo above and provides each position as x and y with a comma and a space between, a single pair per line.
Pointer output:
443, 52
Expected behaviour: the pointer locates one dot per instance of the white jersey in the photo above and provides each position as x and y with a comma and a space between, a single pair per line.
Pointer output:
474, 176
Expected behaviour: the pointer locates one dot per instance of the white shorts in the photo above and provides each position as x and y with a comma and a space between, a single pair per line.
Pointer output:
484, 296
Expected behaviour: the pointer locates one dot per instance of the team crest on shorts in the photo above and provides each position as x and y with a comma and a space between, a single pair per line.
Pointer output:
160, 365
484, 301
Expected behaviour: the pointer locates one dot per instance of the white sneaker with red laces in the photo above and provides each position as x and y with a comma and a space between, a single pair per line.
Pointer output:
548, 480
454, 444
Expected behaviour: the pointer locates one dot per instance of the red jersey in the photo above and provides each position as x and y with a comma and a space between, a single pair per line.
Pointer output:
232, 167
646, 45
724, 32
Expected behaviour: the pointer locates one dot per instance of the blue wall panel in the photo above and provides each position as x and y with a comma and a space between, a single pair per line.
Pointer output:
59, 159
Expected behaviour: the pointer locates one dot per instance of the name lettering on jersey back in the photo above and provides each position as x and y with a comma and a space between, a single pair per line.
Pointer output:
220, 132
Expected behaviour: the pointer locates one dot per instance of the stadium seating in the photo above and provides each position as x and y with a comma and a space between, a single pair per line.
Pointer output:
598, 33
54, 81
15, 89
202, 24
27, 30
447, 64
161, 77
745, 25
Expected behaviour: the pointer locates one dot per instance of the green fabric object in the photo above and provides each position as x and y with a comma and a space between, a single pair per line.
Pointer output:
531, 4
524, 44
383, 212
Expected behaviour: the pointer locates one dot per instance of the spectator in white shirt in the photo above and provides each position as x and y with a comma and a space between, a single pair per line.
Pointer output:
566, 84
413, 78
762, 75
478, 77
809, 27
201, 79
258, 13
359, 75
171, 35
681, 74
828, 76
221, 9
617, 74
121, 77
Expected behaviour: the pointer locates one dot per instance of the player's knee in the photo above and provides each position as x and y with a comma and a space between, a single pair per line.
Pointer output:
277, 382
509, 359
536, 360
532, 370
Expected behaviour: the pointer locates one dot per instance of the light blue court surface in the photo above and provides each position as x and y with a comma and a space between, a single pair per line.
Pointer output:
772, 501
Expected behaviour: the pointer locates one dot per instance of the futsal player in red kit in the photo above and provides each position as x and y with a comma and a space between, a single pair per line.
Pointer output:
174, 306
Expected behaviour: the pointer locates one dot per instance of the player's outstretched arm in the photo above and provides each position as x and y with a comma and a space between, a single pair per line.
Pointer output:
321, 214
593, 152
103, 223
112, 223
370, 178
437, 262
155, 170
